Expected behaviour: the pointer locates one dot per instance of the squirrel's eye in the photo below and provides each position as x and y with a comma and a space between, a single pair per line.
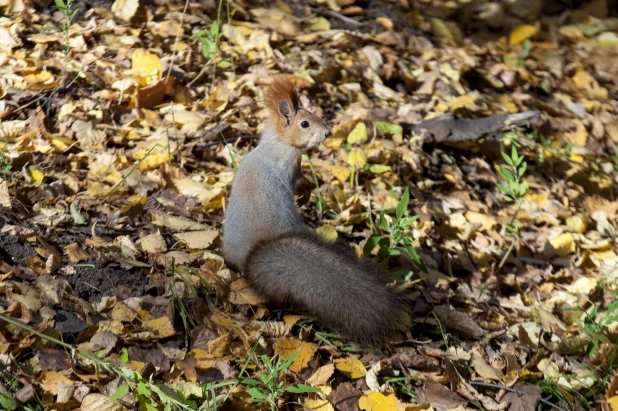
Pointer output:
304, 124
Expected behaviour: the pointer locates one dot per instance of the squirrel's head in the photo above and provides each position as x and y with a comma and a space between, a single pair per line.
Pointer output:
293, 125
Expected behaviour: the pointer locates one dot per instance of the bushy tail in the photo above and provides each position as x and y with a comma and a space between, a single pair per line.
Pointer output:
346, 294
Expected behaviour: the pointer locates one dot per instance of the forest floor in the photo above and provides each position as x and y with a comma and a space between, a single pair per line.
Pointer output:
473, 152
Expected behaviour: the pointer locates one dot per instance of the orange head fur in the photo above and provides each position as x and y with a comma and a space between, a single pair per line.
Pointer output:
293, 125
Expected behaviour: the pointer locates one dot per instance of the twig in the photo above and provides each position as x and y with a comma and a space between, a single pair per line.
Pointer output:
341, 17
544, 401
515, 307
231, 140
498, 387
174, 54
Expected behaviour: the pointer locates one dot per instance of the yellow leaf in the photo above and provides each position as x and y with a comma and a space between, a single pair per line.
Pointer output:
43, 80
357, 159
486, 222
462, 102
613, 402
36, 177
564, 244
327, 232
385, 22
154, 161
358, 134
522, 33
203, 359
341, 173
4, 345
162, 327
318, 405
49, 381
147, 65
583, 80
376, 401
319, 24
290, 320
284, 347
576, 224
379, 168
539, 199
351, 367
121, 312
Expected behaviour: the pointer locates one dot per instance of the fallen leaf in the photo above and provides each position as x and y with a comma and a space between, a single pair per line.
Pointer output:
197, 240
351, 367
376, 401
522, 33
284, 347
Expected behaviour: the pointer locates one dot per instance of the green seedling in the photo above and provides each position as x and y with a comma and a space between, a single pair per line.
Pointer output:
393, 237
268, 386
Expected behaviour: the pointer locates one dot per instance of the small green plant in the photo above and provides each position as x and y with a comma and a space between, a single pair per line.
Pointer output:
595, 323
173, 273
7, 400
269, 385
399, 385
153, 396
392, 238
513, 189
321, 204
210, 48
615, 159
520, 60
69, 15
542, 145
5, 162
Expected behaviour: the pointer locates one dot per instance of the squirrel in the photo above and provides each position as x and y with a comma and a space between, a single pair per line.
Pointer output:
283, 259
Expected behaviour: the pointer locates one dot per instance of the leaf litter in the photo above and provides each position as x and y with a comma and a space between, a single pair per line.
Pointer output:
121, 126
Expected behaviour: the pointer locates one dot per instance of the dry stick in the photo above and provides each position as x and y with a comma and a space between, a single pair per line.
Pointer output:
230, 140
341, 17
519, 393
182, 20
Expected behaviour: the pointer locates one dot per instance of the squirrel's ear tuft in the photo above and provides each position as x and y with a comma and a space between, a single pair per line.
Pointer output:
280, 98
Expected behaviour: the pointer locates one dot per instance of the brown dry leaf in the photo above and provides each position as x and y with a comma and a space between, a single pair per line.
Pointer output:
100, 402
278, 20
153, 243
485, 370
197, 240
345, 397
440, 397
322, 375
284, 347
75, 253
175, 223
87, 134
5, 198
